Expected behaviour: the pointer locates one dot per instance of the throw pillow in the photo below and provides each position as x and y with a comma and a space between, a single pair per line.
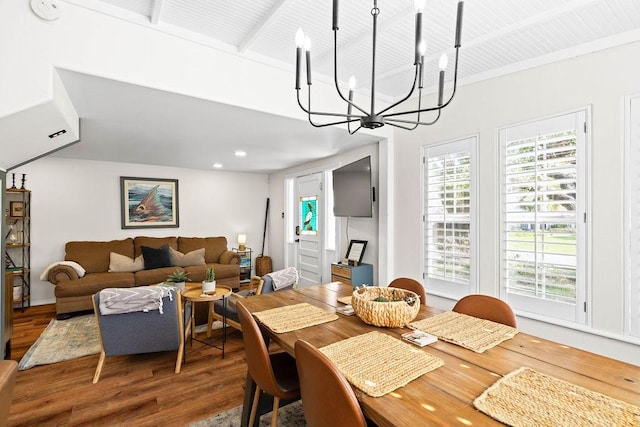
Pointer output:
190, 258
123, 264
156, 257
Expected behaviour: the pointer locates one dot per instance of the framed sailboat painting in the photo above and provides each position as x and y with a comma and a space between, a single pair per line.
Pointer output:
149, 202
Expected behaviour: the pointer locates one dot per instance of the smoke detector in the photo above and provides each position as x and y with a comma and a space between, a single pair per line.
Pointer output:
49, 10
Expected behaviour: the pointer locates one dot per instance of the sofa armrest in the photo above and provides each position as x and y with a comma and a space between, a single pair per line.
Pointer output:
61, 272
229, 257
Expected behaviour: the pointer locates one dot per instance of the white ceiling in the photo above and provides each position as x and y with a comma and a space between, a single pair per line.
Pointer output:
498, 37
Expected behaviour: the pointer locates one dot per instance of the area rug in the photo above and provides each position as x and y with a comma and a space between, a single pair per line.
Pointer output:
69, 339
288, 416
63, 340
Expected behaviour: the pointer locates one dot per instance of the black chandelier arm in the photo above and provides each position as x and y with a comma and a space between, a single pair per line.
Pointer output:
417, 119
321, 113
400, 126
439, 107
413, 87
349, 128
335, 73
321, 125
390, 121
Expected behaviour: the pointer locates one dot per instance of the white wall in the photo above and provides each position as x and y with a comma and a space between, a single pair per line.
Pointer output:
600, 80
80, 200
359, 228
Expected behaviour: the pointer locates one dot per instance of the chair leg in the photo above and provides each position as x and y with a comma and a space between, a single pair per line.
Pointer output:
274, 415
254, 407
96, 376
180, 355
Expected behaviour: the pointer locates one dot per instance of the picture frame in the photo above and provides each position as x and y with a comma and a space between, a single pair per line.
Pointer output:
149, 203
16, 209
355, 252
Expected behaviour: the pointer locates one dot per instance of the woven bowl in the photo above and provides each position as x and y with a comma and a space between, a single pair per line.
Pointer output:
392, 314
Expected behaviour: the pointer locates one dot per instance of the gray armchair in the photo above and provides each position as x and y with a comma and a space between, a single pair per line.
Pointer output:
142, 332
259, 286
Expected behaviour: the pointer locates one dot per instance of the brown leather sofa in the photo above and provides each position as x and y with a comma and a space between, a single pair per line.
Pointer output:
73, 293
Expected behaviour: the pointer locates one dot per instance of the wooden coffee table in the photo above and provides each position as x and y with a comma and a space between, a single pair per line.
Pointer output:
195, 295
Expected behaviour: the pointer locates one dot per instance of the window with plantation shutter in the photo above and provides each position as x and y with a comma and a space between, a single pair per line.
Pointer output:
449, 217
543, 227
632, 219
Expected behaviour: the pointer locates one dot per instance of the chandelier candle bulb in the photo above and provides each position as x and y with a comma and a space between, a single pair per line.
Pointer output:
418, 36
441, 87
459, 24
299, 46
307, 48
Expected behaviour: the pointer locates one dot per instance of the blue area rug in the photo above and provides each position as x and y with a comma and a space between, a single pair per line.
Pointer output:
63, 340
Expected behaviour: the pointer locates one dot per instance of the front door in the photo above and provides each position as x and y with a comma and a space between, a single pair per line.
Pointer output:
309, 228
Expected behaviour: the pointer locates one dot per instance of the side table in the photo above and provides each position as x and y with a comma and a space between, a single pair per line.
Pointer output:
193, 296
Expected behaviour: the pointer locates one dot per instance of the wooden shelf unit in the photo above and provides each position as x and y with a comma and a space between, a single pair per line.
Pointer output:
17, 250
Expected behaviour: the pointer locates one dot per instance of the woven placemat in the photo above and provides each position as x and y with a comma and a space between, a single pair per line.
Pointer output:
345, 300
293, 317
377, 363
526, 397
466, 331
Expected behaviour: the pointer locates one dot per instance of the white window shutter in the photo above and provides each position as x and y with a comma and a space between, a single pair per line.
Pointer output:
543, 201
449, 217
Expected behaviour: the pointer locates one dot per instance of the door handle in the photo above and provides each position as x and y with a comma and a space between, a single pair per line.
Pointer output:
297, 230
297, 240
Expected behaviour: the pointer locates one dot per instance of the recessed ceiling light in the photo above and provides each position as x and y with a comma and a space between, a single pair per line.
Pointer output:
217, 165
241, 153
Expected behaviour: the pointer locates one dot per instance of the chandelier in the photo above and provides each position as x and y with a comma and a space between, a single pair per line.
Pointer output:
375, 119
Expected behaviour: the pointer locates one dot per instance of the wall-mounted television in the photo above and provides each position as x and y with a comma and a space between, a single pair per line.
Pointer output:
352, 191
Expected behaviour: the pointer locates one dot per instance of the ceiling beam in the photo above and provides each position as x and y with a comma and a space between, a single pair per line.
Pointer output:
501, 32
157, 10
262, 26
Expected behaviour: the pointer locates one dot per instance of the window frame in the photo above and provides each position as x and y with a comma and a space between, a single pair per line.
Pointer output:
445, 288
631, 233
534, 307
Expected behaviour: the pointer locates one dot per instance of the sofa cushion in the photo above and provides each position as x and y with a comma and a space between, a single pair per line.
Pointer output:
214, 246
92, 283
191, 258
153, 242
94, 257
156, 258
153, 277
223, 271
123, 264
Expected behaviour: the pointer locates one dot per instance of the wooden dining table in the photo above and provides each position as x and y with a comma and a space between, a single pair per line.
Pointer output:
445, 395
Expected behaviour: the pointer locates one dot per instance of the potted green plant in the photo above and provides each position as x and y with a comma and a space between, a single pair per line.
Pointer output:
178, 278
209, 283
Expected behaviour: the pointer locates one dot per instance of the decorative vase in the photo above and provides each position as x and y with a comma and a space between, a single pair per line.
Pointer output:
179, 286
209, 287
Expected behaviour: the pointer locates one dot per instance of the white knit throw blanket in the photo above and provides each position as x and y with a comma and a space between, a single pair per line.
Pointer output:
284, 278
127, 300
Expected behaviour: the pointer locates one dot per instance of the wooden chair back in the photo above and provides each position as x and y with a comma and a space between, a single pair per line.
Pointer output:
327, 397
410, 285
486, 307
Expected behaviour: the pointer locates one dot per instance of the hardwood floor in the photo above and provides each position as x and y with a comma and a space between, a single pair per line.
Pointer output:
140, 390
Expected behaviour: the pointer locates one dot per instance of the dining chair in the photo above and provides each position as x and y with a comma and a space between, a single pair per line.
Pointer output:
486, 307
273, 373
410, 285
8, 374
327, 397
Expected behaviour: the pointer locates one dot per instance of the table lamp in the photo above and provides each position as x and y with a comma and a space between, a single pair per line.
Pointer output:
242, 241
